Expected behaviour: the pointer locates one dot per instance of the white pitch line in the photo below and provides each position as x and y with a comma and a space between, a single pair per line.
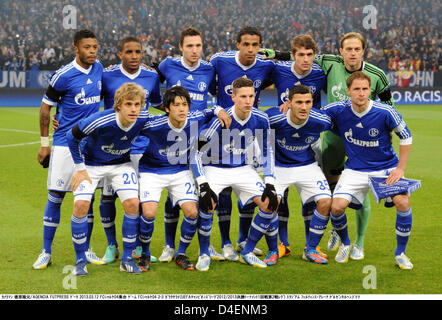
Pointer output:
19, 144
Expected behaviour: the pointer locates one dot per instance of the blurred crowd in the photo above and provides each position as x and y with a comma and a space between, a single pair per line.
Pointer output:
403, 35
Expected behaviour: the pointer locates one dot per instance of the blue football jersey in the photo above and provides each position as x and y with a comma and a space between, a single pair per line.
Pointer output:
197, 80
76, 91
293, 142
107, 141
229, 148
116, 76
366, 136
169, 147
285, 77
229, 68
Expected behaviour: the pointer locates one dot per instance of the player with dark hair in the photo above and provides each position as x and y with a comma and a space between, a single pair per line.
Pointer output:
225, 165
75, 89
229, 66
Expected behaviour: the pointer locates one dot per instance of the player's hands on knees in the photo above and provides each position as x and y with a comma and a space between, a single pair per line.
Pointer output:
224, 119
270, 193
395, 175
207, 198
284, 108
43, 156
78, 177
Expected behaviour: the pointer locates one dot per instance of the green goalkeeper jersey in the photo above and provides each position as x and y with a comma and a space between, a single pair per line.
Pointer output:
337, 75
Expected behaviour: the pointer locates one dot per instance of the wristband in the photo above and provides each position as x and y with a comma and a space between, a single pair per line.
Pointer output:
44, 141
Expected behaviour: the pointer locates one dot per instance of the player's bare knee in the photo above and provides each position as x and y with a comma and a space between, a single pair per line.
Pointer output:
149, 209
402, 202
131, 206
338, 206
323, 206
81, 208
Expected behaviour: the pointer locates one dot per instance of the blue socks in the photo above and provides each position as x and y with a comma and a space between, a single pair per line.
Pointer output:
146, 231
246, 214
272, 234
259, 227
403, 229
318, 225
224, 211
79, 230
339, 222
171, 218
205, 220
188, 229
129, 232
51, 219
108, 213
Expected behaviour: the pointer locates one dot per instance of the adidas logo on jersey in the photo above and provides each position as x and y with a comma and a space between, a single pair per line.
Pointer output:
124, 138
189, 77
296, 135
359, 125
89, 81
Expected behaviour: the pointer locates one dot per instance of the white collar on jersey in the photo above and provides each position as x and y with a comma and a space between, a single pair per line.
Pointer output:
361, 114
237, 119
240, 64
299, 76
120, 125
80, 68
294, 125
175, 128
131, 76
185, 65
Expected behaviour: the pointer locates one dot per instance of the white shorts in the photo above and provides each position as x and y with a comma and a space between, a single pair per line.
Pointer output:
309, 180
181, 187
353, 185
106, 185
245, 181
121, 177
61, 169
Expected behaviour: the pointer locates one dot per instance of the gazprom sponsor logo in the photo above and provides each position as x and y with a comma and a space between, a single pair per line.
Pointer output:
110, 149
81, 98
362, 143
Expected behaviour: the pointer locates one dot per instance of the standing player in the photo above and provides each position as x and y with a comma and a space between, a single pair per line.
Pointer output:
302, 70
165, 164
75, 89
226, 167
295, 164
364, 126
229, 66
337, 70
108, 137
196, 75
129, 70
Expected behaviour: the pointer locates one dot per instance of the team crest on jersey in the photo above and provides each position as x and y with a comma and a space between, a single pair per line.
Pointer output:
202, 86
373, 132
99, 85
257, 83
309, 139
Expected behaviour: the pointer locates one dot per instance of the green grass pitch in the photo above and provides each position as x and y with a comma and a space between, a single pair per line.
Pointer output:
23, 196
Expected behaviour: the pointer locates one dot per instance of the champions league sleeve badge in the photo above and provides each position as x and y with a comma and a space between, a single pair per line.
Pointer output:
381, 190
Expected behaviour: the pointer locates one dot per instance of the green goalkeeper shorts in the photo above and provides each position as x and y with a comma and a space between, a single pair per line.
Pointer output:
333, 154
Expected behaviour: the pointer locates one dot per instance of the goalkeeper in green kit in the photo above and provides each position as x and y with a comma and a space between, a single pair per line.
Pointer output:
338, 69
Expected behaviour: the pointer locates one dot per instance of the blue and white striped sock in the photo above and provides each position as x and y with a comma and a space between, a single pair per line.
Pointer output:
51, 219
129, 233
205, 220
403, 229
79, 232
108, 213
318, 225
188, 229
259, 227
339, 222
146, 231
272, 234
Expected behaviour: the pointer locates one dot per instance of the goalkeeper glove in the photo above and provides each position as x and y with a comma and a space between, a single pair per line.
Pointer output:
270, 192
267, 54
206, 196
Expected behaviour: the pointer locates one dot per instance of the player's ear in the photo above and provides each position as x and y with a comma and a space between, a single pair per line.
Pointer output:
120, 54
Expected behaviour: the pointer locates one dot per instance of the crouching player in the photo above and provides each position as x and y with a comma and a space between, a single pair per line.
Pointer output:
165, 164
225, 152
105, 154
295, 164
364, 126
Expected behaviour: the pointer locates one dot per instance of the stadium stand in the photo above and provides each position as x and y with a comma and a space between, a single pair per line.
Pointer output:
32, 36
